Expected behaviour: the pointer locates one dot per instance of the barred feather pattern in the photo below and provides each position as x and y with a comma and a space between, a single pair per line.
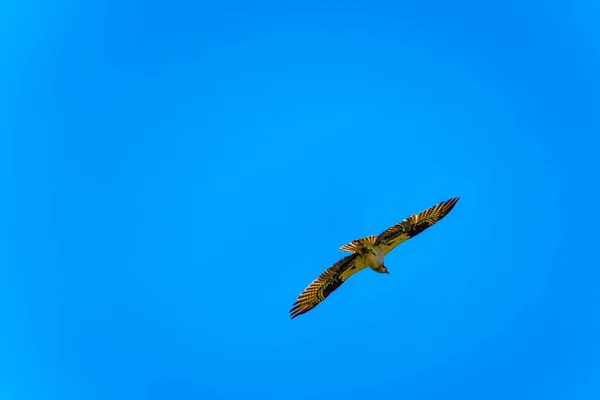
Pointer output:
329, 280
413, 225
334, 276
355, 245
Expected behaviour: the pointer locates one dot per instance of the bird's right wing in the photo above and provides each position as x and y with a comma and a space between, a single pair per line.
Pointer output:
331, 279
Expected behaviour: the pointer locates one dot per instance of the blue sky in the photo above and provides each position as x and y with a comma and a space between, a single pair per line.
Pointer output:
175, 174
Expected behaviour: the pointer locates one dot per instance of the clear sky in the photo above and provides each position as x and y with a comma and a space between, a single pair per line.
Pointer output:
176, 173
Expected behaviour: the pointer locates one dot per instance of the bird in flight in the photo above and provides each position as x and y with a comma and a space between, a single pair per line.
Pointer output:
368, 252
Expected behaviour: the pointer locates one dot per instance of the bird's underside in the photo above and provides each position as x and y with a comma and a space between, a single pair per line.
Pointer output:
367, 252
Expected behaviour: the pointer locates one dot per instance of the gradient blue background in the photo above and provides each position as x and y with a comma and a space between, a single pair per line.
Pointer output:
174, 174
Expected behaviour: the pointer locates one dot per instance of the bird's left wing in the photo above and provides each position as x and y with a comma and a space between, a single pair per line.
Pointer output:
413, 225
329, 280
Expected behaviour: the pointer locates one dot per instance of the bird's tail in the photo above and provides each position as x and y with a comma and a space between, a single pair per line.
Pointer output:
355, 245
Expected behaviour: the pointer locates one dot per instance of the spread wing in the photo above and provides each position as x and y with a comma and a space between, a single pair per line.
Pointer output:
331, 279
413, 225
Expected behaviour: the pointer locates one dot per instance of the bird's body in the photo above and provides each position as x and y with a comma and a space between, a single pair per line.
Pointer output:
367, 252
373, 257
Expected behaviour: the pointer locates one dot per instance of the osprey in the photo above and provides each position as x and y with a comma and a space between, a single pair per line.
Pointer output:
368, 252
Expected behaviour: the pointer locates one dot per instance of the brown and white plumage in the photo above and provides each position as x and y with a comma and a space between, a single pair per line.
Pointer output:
329, 280
368, 252
404, 230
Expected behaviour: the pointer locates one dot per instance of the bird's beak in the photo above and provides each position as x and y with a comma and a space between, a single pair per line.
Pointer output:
387, 272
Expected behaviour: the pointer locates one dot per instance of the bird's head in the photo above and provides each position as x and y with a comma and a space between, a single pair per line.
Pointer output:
382, 269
